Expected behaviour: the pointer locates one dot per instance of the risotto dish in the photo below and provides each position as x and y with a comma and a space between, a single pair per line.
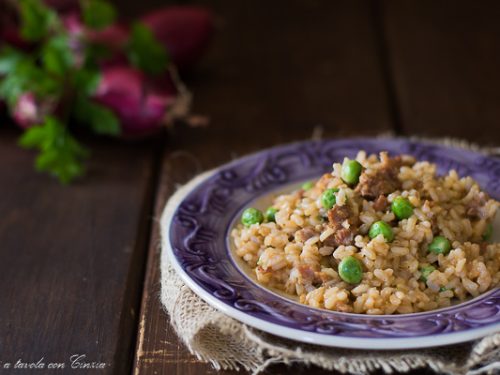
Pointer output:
377, 235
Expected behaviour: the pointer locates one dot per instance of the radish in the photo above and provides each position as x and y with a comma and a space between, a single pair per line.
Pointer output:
29, 110
113, 37
142, 105
184, 30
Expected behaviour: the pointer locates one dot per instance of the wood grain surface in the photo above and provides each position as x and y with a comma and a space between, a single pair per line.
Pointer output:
72, 257
80, 265
444, 60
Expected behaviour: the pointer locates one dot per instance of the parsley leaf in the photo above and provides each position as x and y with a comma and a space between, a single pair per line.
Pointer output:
95, 52
60, 153
57, 56
9, 58
87, 80
36, 19
97, 14
145, 52
34, 137
27, 76
101, 119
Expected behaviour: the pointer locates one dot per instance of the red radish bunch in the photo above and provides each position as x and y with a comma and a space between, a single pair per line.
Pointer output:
142, 104
64, 60
184, 31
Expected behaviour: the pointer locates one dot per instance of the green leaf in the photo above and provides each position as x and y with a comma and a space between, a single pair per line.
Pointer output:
145, 52
57, 56
9, 58
11, 87
26, 76
98, 14
104, 121
36, 19
17, 81
59, 153
96, 52
87, 80
33, 137
100, 119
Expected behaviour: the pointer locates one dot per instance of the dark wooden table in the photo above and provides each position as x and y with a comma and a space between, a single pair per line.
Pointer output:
79, 265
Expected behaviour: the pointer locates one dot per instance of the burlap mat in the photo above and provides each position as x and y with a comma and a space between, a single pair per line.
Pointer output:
228, 344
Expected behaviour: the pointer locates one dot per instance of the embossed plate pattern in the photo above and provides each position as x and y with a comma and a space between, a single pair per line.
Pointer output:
199, 251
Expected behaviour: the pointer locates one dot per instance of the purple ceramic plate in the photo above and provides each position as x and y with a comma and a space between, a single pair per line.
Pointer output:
197, 247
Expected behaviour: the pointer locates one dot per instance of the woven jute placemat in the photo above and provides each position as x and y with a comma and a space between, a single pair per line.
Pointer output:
229, 344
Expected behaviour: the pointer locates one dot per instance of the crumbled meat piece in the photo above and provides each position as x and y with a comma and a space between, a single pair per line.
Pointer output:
304, 234
330, 241
384, 181
336, 217
381, 203
370, 187
309, 275
475, 207
345, 236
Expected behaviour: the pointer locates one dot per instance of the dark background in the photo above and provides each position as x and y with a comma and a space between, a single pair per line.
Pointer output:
79, 264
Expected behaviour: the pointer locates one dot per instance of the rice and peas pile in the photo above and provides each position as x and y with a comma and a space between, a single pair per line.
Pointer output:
378, 235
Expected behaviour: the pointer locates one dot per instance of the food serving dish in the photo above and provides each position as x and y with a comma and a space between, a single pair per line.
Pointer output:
199, 247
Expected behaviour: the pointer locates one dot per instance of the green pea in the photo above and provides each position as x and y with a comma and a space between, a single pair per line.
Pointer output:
350, 270
488, 232
440, 245
426, 271
270, 214
381, 227
328, 198
402, 208
443, 289
307, 185
251, 216
351, 169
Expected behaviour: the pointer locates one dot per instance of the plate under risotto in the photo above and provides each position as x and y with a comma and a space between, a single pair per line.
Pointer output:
377, 235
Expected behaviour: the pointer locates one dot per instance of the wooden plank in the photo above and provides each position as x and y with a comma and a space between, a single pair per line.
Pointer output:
275, 70
73, 257
445, 60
